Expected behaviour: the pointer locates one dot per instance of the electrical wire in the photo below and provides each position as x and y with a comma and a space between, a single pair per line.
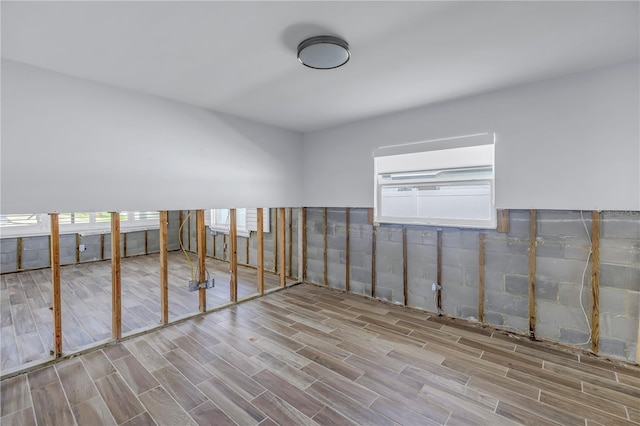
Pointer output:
182, 246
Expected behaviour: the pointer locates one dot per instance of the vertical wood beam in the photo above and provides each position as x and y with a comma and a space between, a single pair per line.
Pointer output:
77, 248
202, 255
19, 249
303, 260
324, 247
101, 246
374, 239
164, 268
503, 221
225, 247
439, 272
116, 307
347, 249
146, 242
405, 283
214, 245
282, 247
260, 237
233, 261
275, 241
532, 274
481, 240
189, 230
246, 246
55, 283
370, 216
595, 281
290, 240
124, 245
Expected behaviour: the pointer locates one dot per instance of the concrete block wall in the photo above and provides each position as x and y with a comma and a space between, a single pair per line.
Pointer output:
360, 247
619, 283
315, 246
562, 249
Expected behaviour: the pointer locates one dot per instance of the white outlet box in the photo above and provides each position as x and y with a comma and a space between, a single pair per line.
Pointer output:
82, 247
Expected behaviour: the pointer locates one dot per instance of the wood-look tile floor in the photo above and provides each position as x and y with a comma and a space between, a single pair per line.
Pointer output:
308, 355
25, 300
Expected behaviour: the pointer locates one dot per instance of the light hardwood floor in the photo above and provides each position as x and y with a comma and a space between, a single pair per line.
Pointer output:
25, 301
309, 355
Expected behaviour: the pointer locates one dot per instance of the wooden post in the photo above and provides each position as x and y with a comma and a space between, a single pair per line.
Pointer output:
347, 250
303, 258
19, 248
233, 261
101, 246
275, 241
481, 239
595, 281
370, 216
164, 268
282, 256
503, 221
55, 283
260, 237
202, 255
324, 247
225, 248
116, 308
405, 283
290, 227
214, 245
439, 272
77, 248
532, 274
124, 245
373, 259
146, 242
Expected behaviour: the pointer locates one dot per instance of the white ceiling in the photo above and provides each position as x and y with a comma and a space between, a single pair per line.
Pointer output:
240, 57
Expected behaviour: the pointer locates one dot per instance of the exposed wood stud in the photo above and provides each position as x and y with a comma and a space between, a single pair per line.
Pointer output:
324, 247
260, 236
78, 240
224, 247
595, 282
116, 307
532, 274
164, 268
503, 221
481, 240
303, 226
124, 245
202, 255
233, 261
55, 283
19, 248
49, 243
101, 246
214, 245
347, 250
290, 241
405, 284
374, 238
282, 256
189, 230
146, 242
246, 246
370, 216
439, 272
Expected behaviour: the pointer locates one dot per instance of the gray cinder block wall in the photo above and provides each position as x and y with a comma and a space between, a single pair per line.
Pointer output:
563, 247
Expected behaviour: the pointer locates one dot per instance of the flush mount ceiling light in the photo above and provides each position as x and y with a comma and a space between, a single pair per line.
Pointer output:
323, 52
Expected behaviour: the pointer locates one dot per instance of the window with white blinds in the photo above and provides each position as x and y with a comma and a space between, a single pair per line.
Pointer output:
246, 220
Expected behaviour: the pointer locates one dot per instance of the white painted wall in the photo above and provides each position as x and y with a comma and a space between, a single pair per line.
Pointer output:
566, 143
74, 145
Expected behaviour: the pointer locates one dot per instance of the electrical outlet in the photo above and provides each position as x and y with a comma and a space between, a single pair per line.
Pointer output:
82, 247
193, 286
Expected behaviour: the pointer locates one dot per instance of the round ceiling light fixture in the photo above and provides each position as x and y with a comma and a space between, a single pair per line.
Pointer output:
323, 52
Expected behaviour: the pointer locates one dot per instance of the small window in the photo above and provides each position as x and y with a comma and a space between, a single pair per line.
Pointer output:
246, 220
442, 187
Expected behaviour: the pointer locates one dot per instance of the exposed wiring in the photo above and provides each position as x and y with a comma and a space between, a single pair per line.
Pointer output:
182, 246
584, 273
